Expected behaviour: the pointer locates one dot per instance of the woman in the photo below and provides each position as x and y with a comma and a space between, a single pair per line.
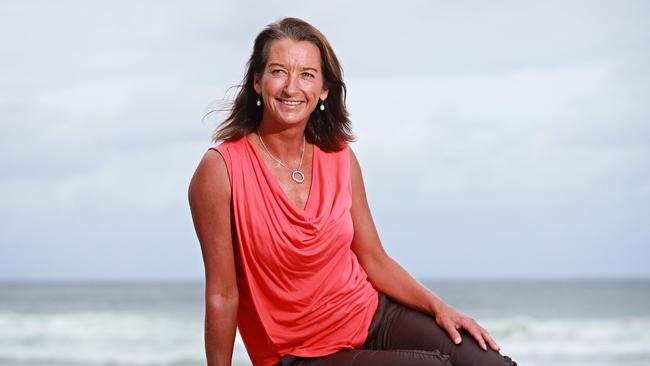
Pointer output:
291, 253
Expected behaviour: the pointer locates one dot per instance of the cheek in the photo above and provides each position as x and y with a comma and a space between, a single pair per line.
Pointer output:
313, 91
271, 85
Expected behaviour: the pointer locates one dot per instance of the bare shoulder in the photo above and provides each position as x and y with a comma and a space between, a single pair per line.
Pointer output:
359, 201
355, 168
353, 157
210, 180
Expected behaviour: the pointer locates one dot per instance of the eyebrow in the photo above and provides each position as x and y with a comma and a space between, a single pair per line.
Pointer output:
281, 65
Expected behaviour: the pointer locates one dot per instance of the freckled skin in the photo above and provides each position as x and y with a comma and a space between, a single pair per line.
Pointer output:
297, 193
292, 73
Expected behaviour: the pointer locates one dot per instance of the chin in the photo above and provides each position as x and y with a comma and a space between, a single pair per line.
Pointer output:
291, 120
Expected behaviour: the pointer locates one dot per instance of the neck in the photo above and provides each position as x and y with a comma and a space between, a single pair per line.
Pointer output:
284, 142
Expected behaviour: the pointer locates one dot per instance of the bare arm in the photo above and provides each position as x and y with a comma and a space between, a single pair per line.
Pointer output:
209, 196
387, 276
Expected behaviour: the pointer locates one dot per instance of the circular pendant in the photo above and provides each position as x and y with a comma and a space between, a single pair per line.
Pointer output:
297, 176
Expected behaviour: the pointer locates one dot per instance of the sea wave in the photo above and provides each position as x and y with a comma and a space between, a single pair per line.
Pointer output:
573, 339
92, 338
140, 339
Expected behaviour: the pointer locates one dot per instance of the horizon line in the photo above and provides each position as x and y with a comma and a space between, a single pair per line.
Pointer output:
198, 280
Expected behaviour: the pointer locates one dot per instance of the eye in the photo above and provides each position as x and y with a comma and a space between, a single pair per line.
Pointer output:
308, 75
277, 71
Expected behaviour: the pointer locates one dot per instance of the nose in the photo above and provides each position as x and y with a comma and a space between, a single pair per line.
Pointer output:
291, 84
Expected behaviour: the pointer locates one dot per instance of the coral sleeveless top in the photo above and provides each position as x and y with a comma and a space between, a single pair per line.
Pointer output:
302, 290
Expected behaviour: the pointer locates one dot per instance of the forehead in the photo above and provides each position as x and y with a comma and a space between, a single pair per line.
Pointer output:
294, 53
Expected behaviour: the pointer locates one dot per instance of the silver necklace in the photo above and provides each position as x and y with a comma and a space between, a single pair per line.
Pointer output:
297, 175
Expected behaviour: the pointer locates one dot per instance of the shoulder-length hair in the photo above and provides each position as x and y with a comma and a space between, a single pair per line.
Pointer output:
330, 129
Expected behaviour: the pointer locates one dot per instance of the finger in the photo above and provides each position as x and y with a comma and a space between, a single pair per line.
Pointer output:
476, 333
490, 340
453, 333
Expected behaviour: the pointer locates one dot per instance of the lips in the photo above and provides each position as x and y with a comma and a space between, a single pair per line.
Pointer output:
290, 103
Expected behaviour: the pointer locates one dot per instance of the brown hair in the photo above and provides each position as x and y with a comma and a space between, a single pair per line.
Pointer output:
330, 129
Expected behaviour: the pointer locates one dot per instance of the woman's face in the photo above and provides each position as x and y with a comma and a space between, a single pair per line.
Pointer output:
291, 83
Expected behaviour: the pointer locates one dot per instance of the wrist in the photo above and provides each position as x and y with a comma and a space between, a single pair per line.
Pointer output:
436, 305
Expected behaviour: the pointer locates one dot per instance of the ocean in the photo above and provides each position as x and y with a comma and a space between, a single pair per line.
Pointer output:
571, 323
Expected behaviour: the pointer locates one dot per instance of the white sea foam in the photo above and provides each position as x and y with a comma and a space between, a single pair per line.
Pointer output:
573, 340
110, 338
103, 338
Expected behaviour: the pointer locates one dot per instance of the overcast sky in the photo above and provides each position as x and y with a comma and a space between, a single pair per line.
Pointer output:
497, 140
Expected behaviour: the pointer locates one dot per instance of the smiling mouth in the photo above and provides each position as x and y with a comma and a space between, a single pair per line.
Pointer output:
290, 102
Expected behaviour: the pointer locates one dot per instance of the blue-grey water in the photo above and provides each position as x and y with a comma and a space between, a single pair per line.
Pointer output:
535, 322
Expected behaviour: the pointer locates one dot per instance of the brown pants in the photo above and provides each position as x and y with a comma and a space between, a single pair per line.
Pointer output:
401, 336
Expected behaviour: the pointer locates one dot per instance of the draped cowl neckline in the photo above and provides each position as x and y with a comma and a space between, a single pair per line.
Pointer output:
316, 208
275, 186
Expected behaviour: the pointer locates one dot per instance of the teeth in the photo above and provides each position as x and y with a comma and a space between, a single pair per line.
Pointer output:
291, 102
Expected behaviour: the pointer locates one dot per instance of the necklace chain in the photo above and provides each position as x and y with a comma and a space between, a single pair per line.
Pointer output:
297, 175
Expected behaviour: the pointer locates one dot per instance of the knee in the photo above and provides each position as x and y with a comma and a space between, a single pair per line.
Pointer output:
493, 358
470, 353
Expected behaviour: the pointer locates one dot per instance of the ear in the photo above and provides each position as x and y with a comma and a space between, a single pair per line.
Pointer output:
256, 84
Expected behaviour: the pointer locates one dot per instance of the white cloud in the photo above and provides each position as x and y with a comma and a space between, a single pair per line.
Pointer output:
519, 130
505, 118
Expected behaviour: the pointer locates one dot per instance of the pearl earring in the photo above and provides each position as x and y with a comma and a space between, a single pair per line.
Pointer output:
259, 102
322, 105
